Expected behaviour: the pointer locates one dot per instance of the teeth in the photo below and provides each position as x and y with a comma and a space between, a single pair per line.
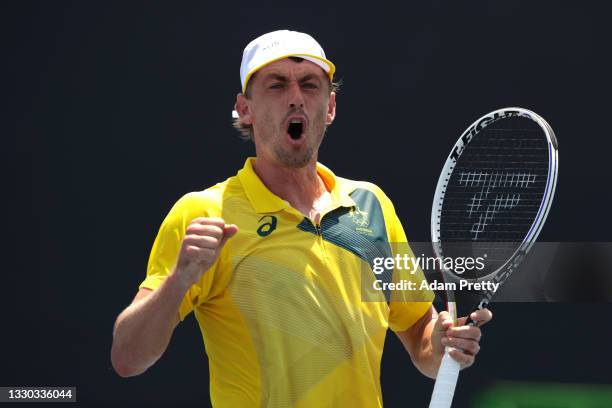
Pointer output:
296, 121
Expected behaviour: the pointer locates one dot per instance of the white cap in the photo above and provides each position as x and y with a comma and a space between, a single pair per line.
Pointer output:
281, 44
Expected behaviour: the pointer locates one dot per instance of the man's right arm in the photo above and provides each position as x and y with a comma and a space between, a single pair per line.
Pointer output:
143, 330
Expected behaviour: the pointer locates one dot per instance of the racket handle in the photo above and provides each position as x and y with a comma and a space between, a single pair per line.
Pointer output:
446, 380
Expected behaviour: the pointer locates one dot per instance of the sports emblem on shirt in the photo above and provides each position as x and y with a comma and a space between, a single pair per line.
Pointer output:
360, 218
266, 228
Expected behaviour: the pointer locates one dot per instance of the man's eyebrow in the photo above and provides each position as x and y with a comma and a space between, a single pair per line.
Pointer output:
309, 77
283, 78
277, 77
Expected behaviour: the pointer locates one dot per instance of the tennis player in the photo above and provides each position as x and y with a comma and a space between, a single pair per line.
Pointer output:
271, 259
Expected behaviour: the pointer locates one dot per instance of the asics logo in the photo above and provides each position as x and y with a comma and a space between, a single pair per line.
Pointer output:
266, 228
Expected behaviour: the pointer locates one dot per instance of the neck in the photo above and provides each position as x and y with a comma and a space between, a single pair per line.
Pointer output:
301, 187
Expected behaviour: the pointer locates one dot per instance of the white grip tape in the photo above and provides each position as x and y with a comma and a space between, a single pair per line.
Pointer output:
446, 380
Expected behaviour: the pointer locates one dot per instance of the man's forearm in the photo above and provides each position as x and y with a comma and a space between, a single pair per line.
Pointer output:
143, 330
424, 358
417, 340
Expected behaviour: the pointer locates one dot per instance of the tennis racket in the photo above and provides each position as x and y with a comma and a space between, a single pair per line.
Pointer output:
491, 201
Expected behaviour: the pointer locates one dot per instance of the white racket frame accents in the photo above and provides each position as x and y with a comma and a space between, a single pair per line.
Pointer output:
448, 373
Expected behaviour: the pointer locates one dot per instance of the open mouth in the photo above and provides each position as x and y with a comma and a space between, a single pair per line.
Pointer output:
295, 129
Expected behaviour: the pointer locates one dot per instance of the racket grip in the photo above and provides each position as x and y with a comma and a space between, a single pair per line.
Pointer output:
446, 380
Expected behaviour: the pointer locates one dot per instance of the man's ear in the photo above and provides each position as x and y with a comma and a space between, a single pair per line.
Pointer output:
331, 109
243, 109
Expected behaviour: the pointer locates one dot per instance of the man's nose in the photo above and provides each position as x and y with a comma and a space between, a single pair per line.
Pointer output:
296, 99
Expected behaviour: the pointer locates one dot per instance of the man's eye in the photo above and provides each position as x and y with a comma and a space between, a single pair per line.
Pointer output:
309, 85
276, 86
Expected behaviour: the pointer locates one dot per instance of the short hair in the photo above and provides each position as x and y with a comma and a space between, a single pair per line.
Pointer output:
246, 131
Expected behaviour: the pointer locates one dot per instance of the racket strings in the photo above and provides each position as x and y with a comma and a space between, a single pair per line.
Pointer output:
494, 192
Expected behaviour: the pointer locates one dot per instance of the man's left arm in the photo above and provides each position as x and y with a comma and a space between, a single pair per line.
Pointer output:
425, 340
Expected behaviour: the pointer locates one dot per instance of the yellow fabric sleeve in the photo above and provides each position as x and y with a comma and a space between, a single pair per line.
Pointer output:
165, 250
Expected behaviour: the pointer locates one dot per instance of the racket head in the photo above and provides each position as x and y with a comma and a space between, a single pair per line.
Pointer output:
494, 193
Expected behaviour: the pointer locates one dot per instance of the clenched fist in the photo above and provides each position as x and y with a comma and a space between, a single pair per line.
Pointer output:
204, 239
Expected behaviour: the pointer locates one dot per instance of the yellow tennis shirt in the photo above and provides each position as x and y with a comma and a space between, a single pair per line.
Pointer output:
282, 312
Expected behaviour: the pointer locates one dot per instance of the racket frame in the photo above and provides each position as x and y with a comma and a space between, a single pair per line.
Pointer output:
448, 372
516, 258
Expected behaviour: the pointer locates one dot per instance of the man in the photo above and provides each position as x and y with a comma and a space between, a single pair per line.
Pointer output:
271, 260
